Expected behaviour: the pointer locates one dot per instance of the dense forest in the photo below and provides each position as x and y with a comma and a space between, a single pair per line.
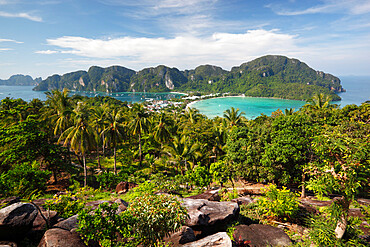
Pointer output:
73, 142
268, 76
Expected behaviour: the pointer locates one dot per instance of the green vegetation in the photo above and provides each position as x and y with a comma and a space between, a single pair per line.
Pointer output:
268, 76
68, 142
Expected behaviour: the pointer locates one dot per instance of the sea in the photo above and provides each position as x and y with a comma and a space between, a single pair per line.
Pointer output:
357, 92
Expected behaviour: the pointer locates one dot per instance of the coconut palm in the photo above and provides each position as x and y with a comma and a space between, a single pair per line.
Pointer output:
233, 117
80, 136
139, 124
59, 109
161, 129
114, 132
98, 114
320, 101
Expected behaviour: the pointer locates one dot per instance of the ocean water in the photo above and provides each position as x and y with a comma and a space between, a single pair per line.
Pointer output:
358, 91
26, 93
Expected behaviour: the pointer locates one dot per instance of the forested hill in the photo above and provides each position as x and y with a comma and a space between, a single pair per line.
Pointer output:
268, 76
20, 80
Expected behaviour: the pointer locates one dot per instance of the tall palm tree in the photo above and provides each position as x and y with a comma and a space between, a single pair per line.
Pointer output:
98, 114
233, 117
139, 124
114, 132
161, 129
59, 109
80, 136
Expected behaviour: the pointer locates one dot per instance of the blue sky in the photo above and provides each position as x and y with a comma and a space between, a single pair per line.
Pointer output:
45, 37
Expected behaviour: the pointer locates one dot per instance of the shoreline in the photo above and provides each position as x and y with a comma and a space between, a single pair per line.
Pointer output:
242, 95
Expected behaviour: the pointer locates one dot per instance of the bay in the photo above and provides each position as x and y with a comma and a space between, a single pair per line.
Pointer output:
358, 91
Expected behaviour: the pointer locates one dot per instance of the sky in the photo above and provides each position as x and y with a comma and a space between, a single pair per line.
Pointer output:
45, 37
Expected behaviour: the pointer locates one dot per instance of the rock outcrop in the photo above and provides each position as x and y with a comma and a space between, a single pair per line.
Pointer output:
57, 237
209, 217
261, 235
219, 239
16, 220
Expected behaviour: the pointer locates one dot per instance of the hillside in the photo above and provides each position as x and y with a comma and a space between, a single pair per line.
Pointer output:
267, 76
20, 80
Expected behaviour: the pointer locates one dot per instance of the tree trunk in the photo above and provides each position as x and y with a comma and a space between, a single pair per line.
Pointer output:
342, 222
85, 170
303, 194
115, 163
140, 158
97, 149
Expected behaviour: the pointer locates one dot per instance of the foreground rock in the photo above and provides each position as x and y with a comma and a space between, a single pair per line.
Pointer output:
68, 224
57, 237
210, 195
39, 224
244, 200
123, 187
185, 235
16, 220
261, 235
209, 217
220, 239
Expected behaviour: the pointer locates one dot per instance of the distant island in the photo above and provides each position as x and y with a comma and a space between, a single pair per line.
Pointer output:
21, 80
267, 76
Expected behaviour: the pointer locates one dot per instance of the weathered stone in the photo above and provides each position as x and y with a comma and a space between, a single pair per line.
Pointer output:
123, 187
95, 204
261, 235
16, 220
220, 239
209, 217
9, 201
39, 223
7, 244
61, 238
210, 195
185, 235
245, 200
122, 205
68, 224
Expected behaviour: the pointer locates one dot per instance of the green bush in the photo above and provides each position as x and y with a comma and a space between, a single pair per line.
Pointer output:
102, 225
279, 203
70, 203
156, 216
108, 180
24, 180
200, 176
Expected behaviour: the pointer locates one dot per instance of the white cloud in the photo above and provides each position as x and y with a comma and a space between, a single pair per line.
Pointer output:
21, 15
354, 7
5, 49
10, 40
48, 52
224, 49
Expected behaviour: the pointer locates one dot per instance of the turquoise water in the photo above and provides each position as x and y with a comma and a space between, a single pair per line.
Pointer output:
252, 107
26, 93
358, 91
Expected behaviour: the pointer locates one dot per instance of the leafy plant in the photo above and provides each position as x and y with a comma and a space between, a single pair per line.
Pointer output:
24, 180
227, 195
103, 225
279, 203
156, 216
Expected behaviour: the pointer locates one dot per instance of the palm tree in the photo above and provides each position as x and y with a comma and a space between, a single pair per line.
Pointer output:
320, 101
80, 136
139, 124
114, 132
233, 117
161, 130
59, 109
98, 114
181, 151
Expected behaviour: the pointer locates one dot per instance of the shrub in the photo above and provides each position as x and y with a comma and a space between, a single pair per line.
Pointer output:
200, 176
279, 203
227, 195
24, 180
156, 216
108, 180
102, 225
70, 203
